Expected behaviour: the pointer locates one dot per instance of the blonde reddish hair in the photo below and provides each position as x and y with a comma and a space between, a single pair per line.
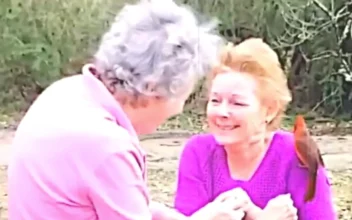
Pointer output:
256, 58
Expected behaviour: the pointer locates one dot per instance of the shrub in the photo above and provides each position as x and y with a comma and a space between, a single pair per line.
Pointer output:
40, 38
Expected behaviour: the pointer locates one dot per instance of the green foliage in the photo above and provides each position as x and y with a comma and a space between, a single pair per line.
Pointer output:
313, 38
40, 38
319, 75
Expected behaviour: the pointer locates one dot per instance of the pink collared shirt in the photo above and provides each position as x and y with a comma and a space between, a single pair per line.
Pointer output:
76, 156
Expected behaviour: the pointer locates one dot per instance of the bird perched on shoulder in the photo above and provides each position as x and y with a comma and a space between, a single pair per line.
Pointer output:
308, 154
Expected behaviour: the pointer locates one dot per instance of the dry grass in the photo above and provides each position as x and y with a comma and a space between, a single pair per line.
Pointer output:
343, 194
163, 165
162, 185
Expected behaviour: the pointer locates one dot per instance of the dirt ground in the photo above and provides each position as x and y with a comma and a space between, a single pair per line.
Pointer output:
163, 154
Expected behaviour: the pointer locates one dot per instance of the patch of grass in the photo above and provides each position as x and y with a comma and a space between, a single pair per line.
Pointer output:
162, 185
342, 186
8, 120
190, 121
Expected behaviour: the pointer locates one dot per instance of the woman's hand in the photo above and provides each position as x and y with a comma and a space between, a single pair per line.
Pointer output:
162, 212
159, 211
217, 210
225, 209
279, 208
242, 202
232, 204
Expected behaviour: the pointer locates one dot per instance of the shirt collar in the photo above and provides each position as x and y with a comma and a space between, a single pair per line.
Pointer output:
101, 95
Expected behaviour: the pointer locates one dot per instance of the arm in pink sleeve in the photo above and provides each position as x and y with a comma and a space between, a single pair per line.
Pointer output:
162, 212
321, 207
191, 194
118, 189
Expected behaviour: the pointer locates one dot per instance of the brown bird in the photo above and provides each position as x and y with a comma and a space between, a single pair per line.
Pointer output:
308, 154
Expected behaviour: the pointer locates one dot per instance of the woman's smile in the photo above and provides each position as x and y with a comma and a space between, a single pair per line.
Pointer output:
225, 126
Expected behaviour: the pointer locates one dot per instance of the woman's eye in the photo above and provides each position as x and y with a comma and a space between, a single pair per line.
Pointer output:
240, 104
214, 100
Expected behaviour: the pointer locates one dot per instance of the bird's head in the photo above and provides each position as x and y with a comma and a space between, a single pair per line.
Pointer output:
300, 124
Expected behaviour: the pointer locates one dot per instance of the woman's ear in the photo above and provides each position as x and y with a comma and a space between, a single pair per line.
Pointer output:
272, 110
90, 68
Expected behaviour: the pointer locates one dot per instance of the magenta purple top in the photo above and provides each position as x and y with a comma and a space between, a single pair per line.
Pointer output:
203, 174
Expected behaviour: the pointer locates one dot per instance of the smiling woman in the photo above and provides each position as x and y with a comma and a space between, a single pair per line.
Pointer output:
232, 102
252, 88
247, 98
260, 71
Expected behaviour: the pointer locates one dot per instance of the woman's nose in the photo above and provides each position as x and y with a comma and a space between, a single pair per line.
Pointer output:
224, 110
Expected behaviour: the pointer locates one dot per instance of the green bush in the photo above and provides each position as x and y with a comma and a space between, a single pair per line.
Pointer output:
313, 39
40, 38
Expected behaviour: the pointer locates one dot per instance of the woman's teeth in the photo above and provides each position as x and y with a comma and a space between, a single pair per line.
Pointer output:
226, 127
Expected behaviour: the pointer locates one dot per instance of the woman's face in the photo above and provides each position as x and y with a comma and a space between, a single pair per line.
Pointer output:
158, 111
234, 111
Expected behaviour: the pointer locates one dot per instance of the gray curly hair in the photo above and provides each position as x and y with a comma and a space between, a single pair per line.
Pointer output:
158, 44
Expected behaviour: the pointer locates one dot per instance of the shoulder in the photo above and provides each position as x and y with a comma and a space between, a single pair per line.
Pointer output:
195, 156
97, 139
62, 88
103, 135
283, 145
285, 148
197, 150
285, 139
106, 140
284, 153
200, 144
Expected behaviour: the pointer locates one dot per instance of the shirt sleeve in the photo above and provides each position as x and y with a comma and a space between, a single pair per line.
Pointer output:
118, 189
321, 207
162, 212
191, 194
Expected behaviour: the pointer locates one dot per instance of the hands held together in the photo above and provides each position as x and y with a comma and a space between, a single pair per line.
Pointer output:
236, 205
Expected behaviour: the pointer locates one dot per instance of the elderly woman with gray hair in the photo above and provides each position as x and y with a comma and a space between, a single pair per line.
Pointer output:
76, 153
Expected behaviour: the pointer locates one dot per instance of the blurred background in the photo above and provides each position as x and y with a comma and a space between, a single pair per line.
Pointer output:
42, 41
